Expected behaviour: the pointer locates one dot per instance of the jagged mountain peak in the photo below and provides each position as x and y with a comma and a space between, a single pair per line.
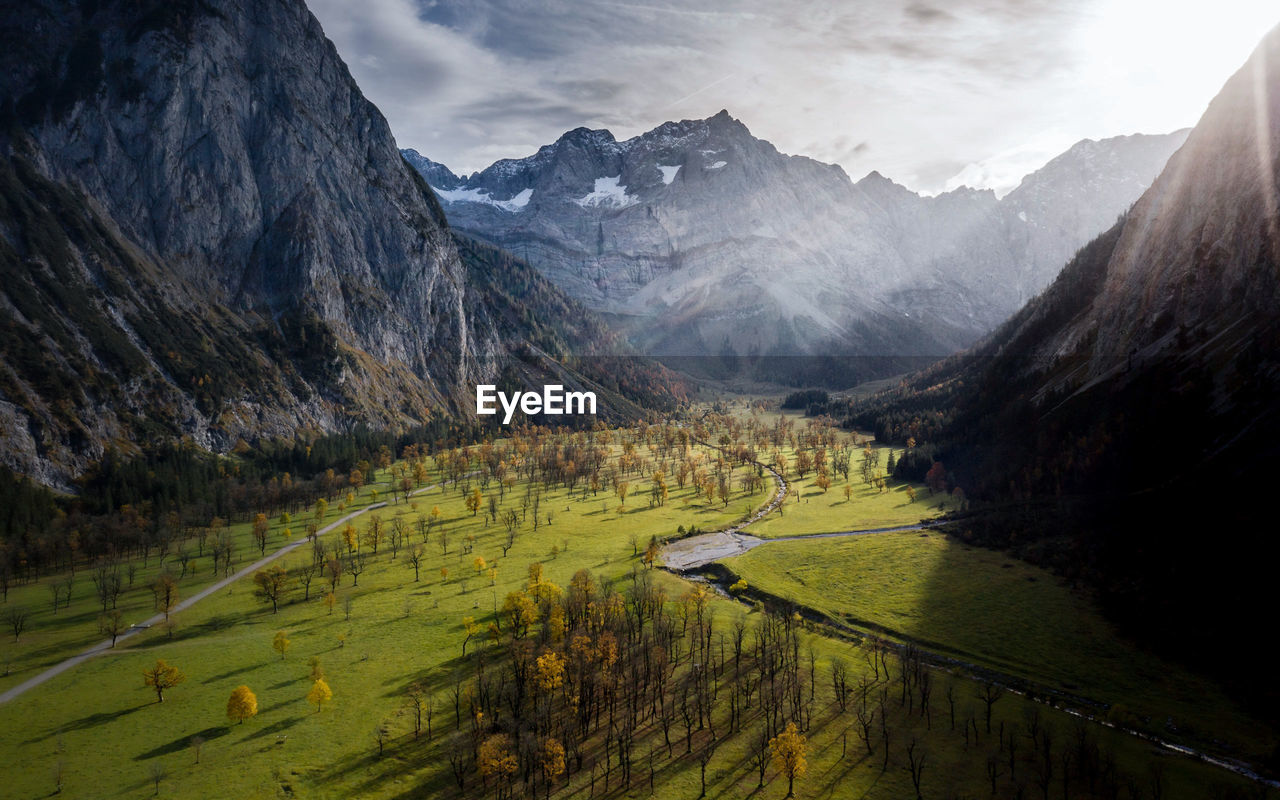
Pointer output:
700, 234
587, 137
437, 174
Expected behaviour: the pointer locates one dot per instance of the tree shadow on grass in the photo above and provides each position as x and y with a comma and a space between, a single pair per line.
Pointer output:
380, 770
230, 674
436, 677
91, 721
274, 728
183, 742
183, 632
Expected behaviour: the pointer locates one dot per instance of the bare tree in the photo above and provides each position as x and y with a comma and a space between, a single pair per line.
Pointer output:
112, 624
990, 695
916, 757
415, 560
156, 772
306, 574
16, 617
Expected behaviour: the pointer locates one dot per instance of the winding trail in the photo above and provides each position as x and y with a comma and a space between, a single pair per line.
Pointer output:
106, 646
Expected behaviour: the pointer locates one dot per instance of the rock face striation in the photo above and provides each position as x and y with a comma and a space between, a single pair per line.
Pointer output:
207, 231
699, 239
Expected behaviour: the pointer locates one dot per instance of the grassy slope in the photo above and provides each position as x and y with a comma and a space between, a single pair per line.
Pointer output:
983, 607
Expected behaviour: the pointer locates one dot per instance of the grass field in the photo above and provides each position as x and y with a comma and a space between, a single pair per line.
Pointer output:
53, 636
811, 510
98, 732
986, 608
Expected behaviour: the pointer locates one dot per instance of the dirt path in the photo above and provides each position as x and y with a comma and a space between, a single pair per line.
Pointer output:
106, 646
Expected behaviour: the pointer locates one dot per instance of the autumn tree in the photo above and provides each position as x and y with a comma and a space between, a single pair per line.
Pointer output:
550, 672
496, 758
936, 478
375, 532
474, 500
160, 677
271, 583
260, 527
823, 482
520, 611
242, 705
281, 643
651, 553
468, 625
787, 750
553, 764
320, 694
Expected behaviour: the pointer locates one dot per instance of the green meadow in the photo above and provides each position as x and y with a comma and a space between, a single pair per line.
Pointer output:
983, 607
96, 731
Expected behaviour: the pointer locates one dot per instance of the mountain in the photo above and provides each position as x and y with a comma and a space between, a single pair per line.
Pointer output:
209, 232
698, 238
438, 175
1125, 425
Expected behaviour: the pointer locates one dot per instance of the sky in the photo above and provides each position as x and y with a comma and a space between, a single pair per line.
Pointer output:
931, 94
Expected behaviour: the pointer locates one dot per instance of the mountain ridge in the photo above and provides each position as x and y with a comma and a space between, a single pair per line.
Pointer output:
700, 239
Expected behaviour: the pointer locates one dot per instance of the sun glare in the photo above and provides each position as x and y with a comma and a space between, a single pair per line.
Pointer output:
1169, 59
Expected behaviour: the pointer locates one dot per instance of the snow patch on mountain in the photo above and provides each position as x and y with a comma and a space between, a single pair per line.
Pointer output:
717, 165
608, 192
669, 173
482, 196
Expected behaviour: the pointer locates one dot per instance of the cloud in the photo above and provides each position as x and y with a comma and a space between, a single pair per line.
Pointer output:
924, 13
958, 86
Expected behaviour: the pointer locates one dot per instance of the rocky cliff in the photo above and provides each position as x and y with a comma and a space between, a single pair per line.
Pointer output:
206, 230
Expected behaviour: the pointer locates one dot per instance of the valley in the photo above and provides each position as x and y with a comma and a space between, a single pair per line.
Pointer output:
647, 457
400, 623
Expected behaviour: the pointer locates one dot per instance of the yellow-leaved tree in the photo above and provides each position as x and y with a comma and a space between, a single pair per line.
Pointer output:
281, 643
161, 677
552, 760
788, 750
496, 758
242, 705
550, 668
320, 694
